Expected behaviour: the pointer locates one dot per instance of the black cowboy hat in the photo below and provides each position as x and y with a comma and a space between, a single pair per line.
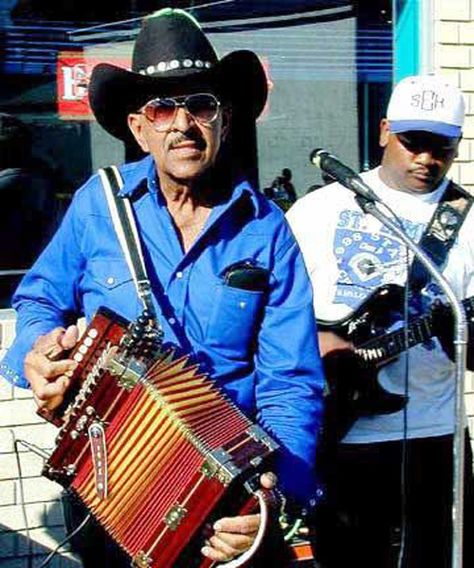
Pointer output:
172, 56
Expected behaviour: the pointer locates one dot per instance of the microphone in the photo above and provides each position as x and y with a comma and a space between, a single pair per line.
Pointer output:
342, 173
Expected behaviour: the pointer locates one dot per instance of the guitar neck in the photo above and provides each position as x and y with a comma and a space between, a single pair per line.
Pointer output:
382, 349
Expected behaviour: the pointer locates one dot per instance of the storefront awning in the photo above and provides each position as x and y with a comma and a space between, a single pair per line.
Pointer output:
232, 15
256, 9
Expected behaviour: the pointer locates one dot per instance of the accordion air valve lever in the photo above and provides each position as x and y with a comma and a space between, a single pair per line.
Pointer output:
152, 446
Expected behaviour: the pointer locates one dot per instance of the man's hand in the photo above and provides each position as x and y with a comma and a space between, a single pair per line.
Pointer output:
234, 535
48, 374
443, 327
329, 342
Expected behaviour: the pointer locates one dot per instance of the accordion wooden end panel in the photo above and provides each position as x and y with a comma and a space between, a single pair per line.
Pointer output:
152, 448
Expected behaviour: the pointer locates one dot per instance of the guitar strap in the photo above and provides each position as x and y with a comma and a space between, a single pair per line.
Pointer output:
441, 232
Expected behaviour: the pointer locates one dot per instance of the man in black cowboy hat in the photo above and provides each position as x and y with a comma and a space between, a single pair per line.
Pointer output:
227, 277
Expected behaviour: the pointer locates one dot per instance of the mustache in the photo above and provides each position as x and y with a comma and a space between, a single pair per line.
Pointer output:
189, 136
425, 170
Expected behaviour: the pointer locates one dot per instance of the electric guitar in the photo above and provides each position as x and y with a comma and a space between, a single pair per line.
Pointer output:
365, 327
354, 392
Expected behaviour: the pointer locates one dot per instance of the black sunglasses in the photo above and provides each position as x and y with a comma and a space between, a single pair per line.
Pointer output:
419, 141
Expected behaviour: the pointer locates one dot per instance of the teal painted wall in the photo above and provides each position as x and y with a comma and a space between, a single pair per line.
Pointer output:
406, 38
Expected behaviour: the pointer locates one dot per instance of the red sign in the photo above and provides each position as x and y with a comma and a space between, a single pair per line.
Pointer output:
74, 69
73, 73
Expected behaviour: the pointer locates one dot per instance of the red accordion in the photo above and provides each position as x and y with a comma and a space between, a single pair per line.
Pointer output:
152, 448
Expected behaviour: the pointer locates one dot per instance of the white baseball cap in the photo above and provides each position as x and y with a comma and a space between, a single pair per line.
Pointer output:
426, 102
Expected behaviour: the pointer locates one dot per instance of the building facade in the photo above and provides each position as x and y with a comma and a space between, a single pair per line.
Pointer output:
440, 35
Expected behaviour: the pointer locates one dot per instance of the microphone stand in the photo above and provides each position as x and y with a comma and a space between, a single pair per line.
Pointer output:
460, 349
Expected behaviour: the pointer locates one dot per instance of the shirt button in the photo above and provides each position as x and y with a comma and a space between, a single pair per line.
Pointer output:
179, 274
172, 321
110, 280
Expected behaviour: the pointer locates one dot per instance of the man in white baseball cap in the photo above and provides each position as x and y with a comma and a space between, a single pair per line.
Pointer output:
421, 133
390, 488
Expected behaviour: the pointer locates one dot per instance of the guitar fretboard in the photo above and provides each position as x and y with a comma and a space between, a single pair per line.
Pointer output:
382, 349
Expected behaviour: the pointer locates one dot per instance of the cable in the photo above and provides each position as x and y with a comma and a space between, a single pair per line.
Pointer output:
34, 448
404, 448
293, 530
22, 499
68, 537
45, 455
403, 464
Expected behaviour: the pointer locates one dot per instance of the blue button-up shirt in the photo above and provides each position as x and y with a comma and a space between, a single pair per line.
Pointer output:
260, 346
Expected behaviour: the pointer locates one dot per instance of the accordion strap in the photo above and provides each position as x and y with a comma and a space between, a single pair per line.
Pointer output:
127, 233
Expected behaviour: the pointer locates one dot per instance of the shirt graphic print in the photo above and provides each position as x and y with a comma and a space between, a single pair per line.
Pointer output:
366, 259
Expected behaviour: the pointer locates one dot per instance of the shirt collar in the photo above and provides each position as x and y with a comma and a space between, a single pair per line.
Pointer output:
135, 174
432, 196
245, 189
144, 171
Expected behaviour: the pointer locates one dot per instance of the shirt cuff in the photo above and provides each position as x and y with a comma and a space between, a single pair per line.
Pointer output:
14, 378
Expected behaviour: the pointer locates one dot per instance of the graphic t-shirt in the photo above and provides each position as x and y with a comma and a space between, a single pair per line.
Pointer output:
349, 255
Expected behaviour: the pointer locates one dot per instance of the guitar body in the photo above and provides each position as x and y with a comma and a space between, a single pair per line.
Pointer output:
354, 390
371, 318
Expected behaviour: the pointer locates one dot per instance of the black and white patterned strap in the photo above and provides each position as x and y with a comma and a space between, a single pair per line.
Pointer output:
441, 232
127, 234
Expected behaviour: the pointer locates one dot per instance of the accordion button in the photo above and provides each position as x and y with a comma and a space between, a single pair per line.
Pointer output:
78, 357
88, 341
83, 349
93, 333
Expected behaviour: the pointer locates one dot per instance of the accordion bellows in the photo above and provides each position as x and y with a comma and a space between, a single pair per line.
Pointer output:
152, 450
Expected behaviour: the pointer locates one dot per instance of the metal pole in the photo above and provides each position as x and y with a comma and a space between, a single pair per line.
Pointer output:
460, 347
365, 118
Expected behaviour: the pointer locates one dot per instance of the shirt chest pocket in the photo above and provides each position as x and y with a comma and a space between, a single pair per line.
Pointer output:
234, 321
109, 273
109, 282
